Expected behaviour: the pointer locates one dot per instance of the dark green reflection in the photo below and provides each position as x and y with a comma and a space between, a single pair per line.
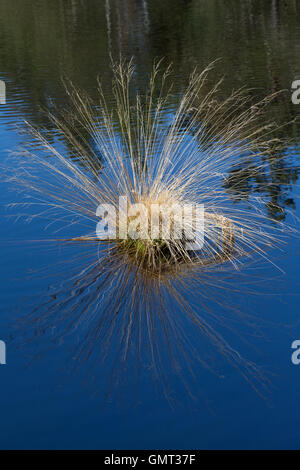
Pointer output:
258, 43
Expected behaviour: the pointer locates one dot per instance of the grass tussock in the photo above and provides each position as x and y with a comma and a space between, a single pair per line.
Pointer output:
152, 148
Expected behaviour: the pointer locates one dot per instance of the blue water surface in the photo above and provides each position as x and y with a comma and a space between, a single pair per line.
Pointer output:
43, 405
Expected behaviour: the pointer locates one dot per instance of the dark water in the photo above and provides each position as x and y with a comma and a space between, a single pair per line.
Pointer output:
258, 43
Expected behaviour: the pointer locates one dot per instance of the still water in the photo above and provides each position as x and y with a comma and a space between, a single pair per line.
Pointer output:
44, 402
